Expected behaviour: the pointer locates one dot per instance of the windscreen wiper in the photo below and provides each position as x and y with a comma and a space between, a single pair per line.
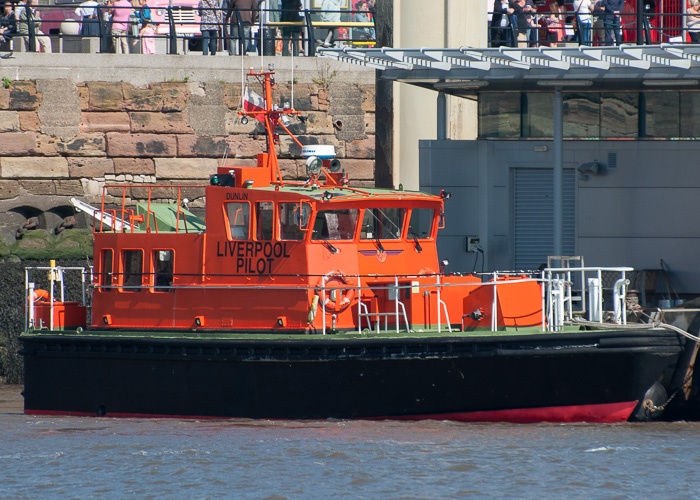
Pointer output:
380, 247
419, 248
330, 247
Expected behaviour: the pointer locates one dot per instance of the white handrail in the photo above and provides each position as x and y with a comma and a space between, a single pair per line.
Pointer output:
555, 295
56, 273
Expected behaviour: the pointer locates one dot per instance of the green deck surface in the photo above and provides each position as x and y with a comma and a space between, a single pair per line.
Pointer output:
164, 218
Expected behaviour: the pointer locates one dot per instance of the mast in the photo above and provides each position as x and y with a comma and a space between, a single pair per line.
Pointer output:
271, 116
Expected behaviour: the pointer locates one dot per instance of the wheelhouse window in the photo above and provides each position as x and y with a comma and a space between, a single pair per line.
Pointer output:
382, 223
106, 268
264, 220
163, 266
421, 223
336, 224
132, 270
238, 220
293, 219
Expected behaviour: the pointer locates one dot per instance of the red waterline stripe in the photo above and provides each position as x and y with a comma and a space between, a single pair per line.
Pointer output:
602, 413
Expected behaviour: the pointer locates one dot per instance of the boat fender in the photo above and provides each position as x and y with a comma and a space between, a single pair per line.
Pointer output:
38, 295
338, 298
312, 309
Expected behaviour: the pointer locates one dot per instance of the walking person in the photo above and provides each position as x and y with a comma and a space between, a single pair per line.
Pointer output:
330, 14
517, 8
693, 22
500, 24
613, 28
584, 20
246, 11
211, 20
87, 11
121, 12
362, 16
292, 10
556, 23
8, 23
35, 17
147, 34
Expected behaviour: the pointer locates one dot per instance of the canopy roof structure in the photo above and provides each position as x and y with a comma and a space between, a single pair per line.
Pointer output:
466, 70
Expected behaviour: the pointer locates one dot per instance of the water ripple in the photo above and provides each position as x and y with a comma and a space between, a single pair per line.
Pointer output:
49, 457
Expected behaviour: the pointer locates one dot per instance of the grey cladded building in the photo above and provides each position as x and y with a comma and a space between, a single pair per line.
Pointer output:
607, 135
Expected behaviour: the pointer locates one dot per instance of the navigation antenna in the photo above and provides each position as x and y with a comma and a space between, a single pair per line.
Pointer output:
224, 157
271, 116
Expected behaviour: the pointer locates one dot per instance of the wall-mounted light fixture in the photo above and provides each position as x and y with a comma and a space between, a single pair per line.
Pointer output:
589, 169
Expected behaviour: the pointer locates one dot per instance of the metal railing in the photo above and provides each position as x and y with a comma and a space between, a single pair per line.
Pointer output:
123, 219
180, 22
643, 28
54, 278
556, 294
560, 294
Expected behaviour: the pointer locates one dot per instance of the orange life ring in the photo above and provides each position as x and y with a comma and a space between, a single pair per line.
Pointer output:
338, 297
37, 295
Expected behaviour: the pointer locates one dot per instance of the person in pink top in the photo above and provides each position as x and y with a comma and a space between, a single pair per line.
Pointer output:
148, 43
121, 11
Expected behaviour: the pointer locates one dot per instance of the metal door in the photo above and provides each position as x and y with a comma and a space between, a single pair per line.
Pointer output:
533, 217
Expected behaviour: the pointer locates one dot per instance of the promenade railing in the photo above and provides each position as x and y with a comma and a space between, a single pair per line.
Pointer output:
555, 29
177, 29
178, 24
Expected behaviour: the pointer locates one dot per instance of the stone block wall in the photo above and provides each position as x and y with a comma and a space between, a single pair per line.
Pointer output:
60, 139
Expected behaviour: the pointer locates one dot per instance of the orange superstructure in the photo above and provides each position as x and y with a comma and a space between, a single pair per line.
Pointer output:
271, 255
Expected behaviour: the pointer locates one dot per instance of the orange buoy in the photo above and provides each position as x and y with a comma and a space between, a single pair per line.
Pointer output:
37, 295
338, 297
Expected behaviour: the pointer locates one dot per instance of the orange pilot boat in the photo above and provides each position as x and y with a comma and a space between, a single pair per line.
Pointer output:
319, 300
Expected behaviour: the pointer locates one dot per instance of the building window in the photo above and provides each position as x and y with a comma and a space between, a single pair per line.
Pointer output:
690, 115
499, 114
581, 114
591, 115
132, 270
238, 220
661, 114
537, 114
619, 116
163, 266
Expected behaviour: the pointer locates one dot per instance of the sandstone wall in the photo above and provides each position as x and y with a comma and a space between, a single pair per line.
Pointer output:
60, 138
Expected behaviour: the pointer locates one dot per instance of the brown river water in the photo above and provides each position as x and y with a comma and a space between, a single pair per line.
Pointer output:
71, 457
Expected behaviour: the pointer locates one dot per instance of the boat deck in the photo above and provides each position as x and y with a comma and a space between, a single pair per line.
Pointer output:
444, 333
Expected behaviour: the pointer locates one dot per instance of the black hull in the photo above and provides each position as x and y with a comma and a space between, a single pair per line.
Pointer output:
309, 378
